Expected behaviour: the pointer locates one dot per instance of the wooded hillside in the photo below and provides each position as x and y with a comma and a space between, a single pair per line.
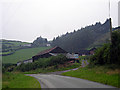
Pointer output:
84, 38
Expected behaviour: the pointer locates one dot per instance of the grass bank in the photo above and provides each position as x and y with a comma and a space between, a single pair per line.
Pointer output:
22, 54
18, 80
98, 74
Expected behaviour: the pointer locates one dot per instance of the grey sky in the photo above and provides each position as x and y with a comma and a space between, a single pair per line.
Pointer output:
26, 20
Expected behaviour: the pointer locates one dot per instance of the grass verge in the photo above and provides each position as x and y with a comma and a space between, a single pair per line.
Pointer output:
97, 74
18, 80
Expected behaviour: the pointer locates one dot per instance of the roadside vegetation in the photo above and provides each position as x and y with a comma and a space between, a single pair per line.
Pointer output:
22, 54
18, 80
49, 69
60, 67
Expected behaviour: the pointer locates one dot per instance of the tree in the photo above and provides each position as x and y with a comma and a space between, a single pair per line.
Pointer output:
40, 42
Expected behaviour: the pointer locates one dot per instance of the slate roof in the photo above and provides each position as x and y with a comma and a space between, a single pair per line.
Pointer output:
87, 52
55, 49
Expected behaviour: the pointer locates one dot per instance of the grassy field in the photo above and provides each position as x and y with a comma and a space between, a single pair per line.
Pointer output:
22, 54
97, 74
17, 80
8, 45
14, 43
18, 43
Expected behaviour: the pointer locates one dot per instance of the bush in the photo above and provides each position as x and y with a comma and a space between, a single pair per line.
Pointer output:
115, 47
101, 55
8, 67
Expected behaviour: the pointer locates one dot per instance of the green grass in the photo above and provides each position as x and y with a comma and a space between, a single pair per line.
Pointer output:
10, 45
22, 54
97, 74
18, 43
14, 43
18, 80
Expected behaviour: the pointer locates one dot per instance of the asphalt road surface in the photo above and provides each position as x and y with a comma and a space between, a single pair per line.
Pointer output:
58, 81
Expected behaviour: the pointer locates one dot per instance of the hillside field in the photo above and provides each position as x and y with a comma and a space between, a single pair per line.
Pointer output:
22, 54
14, 43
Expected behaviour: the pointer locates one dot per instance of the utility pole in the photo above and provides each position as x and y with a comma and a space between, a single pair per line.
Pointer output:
110, 23
111, 29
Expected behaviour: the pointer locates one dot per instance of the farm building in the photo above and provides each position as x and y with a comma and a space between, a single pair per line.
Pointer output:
72, 56
50, 52
86, 52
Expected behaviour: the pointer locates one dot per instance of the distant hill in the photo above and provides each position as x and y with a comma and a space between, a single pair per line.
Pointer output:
9, 46
90, 36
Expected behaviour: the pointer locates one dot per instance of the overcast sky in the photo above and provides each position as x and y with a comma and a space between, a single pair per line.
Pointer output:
25, 20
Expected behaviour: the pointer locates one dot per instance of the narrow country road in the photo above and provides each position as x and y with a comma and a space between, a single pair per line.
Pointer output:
58, 81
